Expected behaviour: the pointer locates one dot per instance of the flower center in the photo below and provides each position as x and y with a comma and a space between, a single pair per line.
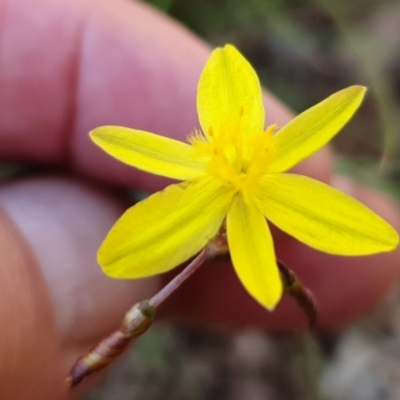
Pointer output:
236, 160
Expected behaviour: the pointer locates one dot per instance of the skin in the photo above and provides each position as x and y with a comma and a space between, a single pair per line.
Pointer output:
66, 67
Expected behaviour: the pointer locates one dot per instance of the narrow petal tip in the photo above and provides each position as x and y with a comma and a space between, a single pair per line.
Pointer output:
392, 239
271, 304
357, 88
95, 133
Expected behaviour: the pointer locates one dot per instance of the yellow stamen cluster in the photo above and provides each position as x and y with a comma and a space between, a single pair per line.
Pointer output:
232, 159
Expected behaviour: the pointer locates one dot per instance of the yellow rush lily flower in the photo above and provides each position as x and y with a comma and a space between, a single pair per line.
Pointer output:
234, 170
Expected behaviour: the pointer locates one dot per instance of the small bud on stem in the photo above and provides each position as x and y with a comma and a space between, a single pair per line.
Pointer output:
136, 321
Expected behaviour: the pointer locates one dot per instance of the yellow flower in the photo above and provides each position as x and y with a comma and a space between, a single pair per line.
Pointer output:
233, 171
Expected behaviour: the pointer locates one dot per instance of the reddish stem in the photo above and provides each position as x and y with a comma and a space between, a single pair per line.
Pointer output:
167, 290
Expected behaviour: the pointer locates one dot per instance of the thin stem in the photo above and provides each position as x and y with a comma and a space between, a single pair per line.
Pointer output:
167, 290
137, 320
303, 296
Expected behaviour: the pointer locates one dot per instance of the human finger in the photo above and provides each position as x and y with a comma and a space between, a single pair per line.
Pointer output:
97, 62
55, 302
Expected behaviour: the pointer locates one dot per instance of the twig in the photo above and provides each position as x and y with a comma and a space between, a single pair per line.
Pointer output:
303, 296
138, 319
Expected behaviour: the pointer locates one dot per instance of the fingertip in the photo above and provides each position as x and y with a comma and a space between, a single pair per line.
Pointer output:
64, 222
29, 341
56, 302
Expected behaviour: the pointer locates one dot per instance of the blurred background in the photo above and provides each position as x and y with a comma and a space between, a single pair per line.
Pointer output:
303, 51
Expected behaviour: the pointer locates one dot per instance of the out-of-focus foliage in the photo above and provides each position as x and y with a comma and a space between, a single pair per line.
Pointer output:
163, 5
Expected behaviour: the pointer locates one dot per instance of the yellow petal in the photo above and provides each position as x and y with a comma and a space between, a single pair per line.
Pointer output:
312, 129
229, 95
252, 252
164, 230
323, 217
149, 152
